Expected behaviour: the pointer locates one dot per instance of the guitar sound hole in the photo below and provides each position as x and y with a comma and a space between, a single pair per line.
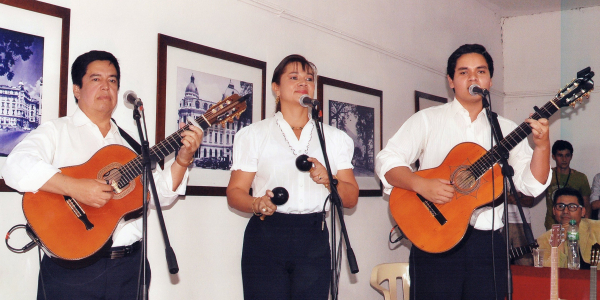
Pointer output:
463, 180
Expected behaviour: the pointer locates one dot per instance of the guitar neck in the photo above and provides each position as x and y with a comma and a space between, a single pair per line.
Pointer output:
134, 168
520, 251
510, 141
554, 274
593, 282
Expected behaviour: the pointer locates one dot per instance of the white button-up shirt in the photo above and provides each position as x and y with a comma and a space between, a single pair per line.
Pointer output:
71, 141
270, 148
430, 134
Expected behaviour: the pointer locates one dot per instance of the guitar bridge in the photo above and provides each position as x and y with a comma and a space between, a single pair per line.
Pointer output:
79, 212
437, 214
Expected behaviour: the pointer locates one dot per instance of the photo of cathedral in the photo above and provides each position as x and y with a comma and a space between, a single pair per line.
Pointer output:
197, 92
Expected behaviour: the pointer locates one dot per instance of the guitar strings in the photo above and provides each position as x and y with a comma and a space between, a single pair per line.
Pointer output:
132, 169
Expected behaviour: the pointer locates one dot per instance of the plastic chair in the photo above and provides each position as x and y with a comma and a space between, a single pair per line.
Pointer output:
391, 272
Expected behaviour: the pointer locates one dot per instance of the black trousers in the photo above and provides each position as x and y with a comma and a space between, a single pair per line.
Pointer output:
468, 271
286, 256
107, 279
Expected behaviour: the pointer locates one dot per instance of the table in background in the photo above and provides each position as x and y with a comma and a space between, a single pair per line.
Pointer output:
530, 283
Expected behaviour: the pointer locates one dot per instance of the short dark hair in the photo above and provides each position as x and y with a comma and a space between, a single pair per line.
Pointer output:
466, 49
560, 145
293, 58
79, 67
567, 191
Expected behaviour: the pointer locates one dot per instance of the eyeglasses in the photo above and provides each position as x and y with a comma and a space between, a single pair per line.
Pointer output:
572, 206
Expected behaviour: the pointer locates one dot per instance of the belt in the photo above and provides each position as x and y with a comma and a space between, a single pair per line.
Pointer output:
122, 251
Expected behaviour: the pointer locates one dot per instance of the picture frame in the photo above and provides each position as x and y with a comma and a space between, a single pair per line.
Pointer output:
176, 56
424, 100
360, 103
30, 17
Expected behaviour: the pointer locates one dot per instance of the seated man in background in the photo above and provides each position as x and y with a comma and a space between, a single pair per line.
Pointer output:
567, 206
564, 176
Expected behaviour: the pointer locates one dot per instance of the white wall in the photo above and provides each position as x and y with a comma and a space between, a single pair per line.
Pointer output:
542, 53
394, 46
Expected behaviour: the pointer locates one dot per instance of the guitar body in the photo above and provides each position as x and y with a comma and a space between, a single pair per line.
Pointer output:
420, 225
61, 232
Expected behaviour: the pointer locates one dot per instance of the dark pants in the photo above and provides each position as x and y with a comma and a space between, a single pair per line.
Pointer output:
465, 272
107, 279
286, 256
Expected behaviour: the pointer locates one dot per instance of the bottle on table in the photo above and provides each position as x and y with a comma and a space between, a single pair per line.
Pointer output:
573, 257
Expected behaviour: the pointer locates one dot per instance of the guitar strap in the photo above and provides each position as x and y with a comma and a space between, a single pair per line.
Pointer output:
132, 142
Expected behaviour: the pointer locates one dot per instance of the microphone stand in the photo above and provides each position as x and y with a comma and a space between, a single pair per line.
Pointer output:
148, 181
336, 201
508, 173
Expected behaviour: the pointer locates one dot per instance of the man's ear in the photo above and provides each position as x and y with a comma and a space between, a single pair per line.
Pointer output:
76, 91
450, 81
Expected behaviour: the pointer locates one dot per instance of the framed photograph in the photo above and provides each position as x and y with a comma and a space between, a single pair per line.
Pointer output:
191, 79
356, 110
34, 53
424, 100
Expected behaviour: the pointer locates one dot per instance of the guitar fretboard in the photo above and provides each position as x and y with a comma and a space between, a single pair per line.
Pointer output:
554, 273
510, 141
217, 114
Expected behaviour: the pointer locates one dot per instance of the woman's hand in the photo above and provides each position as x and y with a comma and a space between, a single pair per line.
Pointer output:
262, 206
318, 172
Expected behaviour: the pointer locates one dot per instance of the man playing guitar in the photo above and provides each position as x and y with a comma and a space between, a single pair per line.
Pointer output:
467, 270
34, 164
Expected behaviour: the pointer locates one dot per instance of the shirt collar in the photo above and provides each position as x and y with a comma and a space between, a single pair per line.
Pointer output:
457, 108
81, 119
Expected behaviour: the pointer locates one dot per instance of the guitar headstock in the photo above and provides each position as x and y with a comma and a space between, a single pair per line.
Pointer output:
595, 257
226, 110
573, 92
557, 235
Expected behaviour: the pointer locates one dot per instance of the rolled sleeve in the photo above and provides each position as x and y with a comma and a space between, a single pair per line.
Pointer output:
402, 149
345, 152
28, 167
245, 156
164, 184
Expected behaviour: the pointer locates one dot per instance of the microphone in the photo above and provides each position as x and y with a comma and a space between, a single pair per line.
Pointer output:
475, 89
306, 101
131, 97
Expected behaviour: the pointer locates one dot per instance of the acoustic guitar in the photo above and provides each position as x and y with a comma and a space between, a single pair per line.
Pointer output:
72, 231
556, 238
595, 257
438, 228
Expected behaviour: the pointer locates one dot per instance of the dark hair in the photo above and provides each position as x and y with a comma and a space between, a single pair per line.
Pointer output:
560, 145
79, 67
294, 58
567, 191
466, 49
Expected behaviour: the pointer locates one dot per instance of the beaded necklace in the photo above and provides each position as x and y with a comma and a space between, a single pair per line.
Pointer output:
290, 145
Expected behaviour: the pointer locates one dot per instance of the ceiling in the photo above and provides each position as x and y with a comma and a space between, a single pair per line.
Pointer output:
512, 8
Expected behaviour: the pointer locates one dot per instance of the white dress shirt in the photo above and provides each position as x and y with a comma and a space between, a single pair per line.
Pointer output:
270, 149
595, 196
430, 134
70, 141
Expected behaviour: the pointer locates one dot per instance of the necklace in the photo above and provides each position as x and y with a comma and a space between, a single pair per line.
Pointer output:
296, 128
566, 182
290, 145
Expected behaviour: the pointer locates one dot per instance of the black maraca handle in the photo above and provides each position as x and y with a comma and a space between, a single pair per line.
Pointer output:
280, 196
303, 164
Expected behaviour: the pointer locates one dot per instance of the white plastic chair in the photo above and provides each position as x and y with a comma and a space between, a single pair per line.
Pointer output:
390, 272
